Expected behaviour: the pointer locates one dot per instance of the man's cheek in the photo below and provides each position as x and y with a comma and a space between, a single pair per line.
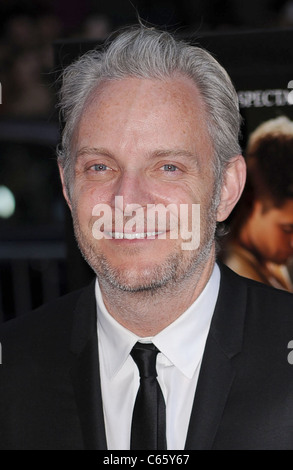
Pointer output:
190, 226
101, 220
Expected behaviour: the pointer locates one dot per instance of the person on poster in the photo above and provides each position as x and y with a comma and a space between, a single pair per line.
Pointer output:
260, 242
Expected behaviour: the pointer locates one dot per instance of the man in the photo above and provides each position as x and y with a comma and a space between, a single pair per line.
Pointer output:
151, 122
261, 238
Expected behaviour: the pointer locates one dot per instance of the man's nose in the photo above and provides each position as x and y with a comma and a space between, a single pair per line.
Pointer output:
291, 241
132, 189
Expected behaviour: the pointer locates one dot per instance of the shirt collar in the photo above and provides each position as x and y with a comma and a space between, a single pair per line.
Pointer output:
182, 342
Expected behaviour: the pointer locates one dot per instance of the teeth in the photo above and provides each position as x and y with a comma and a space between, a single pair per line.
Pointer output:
132, 236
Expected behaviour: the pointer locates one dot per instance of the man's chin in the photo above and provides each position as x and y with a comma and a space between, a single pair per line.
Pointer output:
136, 280
153, 273
137, 287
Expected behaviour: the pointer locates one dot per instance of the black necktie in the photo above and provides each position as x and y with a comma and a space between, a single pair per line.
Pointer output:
148, 431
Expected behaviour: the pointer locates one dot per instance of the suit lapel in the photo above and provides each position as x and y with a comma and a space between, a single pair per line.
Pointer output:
224, 342
85, 372
216, 376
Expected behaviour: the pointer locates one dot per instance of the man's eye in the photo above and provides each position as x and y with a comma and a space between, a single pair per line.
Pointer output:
287, 228
169, 167
99, 167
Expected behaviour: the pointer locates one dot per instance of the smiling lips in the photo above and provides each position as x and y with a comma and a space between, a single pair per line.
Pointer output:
132, 235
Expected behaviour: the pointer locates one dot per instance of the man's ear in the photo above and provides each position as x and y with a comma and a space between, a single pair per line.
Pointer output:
64, 188
232, 187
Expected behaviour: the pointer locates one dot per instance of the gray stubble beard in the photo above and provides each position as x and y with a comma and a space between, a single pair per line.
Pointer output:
166, 277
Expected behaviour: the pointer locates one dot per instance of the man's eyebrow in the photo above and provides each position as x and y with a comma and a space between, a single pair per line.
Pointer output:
92, 151
172, 153
159, 153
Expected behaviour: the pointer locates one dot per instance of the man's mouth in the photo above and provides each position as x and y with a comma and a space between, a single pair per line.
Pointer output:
132, 235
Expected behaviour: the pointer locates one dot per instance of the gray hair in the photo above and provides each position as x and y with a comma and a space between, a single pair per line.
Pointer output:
143, 52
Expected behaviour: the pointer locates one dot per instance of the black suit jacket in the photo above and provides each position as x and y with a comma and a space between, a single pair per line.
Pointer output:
50, 396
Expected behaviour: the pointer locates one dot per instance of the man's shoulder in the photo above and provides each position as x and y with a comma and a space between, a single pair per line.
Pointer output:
53, 320
253, 317
254, 287
260, 296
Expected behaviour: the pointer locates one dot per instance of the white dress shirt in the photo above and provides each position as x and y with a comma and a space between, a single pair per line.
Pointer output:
181, 344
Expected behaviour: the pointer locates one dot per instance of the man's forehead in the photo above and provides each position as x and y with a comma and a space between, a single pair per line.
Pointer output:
284, 208
171, 90
145, 114
173, 105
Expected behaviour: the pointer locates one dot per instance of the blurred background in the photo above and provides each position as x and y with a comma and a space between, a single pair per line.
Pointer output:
38, 258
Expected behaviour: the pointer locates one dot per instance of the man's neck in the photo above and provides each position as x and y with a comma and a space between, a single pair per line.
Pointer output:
246, 241
149, 312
